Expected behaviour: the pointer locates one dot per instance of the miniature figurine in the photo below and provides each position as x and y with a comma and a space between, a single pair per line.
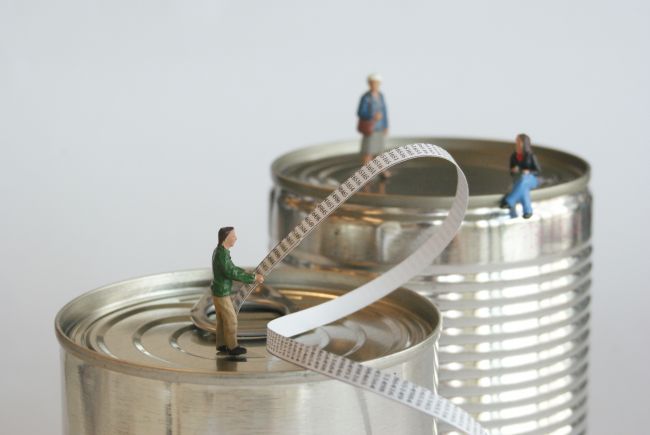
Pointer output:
373, 121
524, 168
224, 273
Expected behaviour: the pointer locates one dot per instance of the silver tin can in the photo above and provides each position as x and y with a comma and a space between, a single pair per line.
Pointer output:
133, 363
514, 293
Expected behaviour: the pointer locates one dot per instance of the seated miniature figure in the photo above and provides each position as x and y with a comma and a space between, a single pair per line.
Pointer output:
524, 169
373, 121
224, 273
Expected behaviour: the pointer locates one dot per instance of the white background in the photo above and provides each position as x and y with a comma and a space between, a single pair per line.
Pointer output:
132, 130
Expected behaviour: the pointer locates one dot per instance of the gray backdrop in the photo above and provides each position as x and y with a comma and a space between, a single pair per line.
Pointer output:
132, 130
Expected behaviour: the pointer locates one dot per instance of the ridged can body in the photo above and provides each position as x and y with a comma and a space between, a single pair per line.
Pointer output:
514, 292
133, 362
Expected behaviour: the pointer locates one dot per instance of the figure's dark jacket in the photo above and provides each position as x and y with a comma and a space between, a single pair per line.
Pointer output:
528, 162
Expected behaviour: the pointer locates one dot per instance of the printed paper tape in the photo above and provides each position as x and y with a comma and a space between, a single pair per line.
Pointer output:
280, 330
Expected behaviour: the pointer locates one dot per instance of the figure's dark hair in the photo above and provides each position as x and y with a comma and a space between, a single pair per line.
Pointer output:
223, 233
525, 141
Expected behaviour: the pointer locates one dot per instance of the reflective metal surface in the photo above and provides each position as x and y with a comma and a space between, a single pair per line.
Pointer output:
514, 293
134, 363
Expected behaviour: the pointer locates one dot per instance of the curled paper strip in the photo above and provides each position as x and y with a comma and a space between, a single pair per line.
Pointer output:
280, 330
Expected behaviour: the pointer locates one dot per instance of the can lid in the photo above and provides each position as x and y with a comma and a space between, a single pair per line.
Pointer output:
428, 183
143, 326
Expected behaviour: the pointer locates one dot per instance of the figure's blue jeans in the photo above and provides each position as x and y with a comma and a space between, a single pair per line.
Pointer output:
521, 193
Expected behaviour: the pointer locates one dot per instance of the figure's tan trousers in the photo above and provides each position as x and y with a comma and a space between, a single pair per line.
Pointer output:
226, 321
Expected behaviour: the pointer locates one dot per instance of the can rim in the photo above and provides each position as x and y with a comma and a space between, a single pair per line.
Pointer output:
330, 149
221, 378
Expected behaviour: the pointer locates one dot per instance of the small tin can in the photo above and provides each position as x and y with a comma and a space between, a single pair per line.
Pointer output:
514, 293
133, 362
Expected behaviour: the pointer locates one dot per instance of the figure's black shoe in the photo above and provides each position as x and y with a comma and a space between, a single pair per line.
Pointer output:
504, 203
527, 215
222, 348
237, 351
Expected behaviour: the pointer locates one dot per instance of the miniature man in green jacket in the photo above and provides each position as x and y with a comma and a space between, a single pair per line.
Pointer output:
224, 273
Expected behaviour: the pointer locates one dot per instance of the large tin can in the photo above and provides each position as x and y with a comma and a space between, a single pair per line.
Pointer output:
134, 364
514, 293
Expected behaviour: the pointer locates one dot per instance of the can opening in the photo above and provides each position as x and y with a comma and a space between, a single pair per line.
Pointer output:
486, 170
254, 315
262, 306
316, 170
